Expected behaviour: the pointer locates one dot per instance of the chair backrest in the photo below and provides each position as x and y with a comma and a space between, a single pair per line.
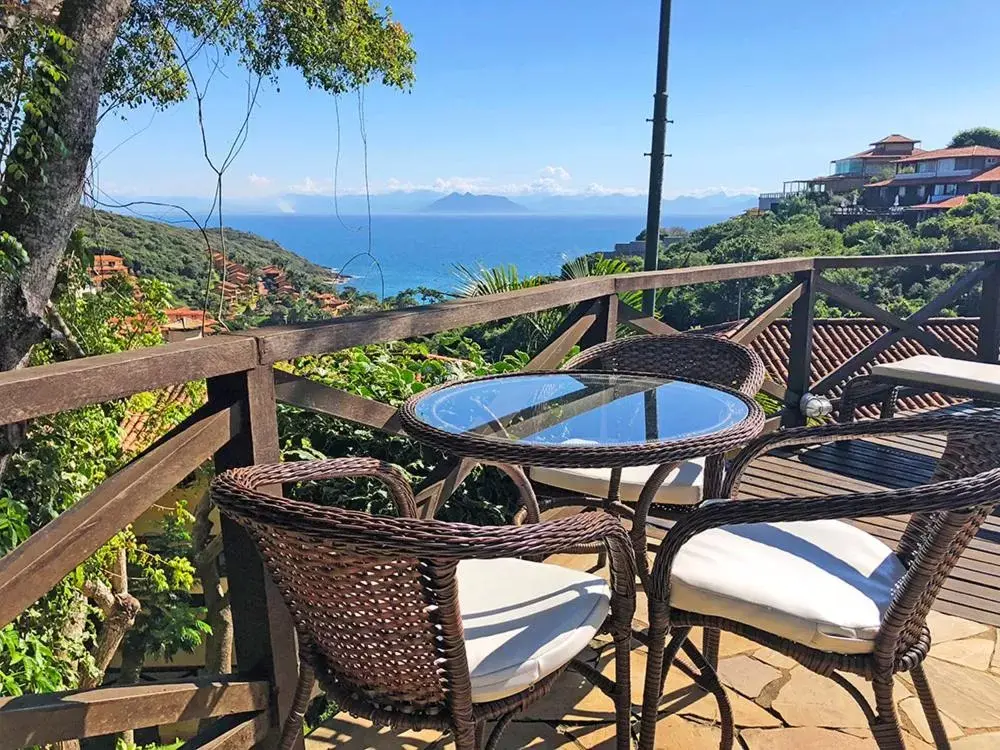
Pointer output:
686, 355
380, 626
932, 543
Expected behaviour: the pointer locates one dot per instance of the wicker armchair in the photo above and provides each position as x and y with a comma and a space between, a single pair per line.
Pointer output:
688, 356
425, 624
789, 575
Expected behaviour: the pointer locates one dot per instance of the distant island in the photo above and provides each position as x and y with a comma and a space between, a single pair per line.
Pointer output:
467, 203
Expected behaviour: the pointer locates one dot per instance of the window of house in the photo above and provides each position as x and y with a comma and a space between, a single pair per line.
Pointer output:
921, 191
883, 193
939, 190
926, 166
902, 191
963, 162
950, 189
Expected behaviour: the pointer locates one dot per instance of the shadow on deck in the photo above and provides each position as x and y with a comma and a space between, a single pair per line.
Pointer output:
973, 590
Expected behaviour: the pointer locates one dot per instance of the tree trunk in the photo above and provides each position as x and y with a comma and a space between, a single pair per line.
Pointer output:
219, 645
120, 609
133, 659
41, 211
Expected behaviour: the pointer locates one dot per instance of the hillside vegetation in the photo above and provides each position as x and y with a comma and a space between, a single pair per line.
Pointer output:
177, 255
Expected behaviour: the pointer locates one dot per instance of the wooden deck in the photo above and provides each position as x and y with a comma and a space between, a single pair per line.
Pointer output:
973, 590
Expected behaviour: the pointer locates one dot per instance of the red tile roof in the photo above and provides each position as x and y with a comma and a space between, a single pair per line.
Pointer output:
836, 340
140, 428
952, 202
870, 154
990, 175
949, 153
911, 178
894, 138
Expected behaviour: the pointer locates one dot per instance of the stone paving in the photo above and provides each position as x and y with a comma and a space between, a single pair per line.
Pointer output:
777, 704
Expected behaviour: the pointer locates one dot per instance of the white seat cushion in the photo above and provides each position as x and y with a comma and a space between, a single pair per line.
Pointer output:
683, 485
960, 374
524, 620
825, 584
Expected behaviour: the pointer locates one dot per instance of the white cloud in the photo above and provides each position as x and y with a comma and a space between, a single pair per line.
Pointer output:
286, 207
557, 173
259, 181
729, 192
309, 186
596, 188
549, 180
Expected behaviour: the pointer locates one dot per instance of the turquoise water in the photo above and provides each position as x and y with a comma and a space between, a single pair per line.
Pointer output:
418, 250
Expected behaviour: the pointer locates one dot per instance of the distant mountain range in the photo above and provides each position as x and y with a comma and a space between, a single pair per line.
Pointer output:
421, 201
467, 203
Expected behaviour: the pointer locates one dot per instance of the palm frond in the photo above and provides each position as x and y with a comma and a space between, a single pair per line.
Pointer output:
480, 281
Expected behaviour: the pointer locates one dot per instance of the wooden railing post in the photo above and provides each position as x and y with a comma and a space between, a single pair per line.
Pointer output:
264, 634
605, 328
988, 348
800, 348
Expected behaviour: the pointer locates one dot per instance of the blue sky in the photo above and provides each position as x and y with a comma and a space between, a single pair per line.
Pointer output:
552, 96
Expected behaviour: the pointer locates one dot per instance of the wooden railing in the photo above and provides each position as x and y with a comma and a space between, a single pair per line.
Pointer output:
238, 426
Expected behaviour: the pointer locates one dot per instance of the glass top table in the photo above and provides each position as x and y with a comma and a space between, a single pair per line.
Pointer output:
581, 419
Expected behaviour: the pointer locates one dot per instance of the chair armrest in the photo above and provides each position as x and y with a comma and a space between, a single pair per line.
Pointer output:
236, 493
262, 475
953, 495
947, 423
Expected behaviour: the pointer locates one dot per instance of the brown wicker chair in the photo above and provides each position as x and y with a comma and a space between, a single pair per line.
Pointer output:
377, 603
692, 356
786, 574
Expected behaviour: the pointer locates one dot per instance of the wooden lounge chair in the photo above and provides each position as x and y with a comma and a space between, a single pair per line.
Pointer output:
690, 356
793, 575
430, 625
923, 373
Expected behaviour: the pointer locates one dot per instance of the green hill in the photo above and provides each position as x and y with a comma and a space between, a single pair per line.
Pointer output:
178, 256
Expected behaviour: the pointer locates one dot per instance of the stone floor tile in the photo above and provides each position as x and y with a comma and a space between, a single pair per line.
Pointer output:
949, 628
772, 657
672, 733
988, 741
732, 644
574, 699
910, 708
799, 738
969, 697
811, 700
974, 653
346, 732
684, 698
746, 675
913, 742
535, 734
995, 661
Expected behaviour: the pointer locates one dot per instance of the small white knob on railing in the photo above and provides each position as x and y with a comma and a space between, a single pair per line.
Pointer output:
814, 406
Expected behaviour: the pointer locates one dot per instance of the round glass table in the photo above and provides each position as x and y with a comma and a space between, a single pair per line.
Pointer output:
581, 419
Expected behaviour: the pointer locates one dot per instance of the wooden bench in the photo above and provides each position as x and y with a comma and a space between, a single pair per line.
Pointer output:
921, 374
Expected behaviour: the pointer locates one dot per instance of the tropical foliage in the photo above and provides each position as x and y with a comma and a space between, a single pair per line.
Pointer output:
981, 136
391, 373
61, 458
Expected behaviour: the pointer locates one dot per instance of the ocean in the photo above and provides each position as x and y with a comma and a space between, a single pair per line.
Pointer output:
421, 250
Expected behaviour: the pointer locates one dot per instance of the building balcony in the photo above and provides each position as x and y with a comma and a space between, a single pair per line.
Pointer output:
776, 701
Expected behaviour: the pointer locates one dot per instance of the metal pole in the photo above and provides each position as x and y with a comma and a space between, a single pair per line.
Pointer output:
657, 153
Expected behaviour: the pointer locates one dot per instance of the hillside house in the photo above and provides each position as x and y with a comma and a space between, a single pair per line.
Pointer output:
933, 181
851, 172
105, 267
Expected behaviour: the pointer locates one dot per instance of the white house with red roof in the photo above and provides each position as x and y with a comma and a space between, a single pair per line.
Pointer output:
936, 180
850, 172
